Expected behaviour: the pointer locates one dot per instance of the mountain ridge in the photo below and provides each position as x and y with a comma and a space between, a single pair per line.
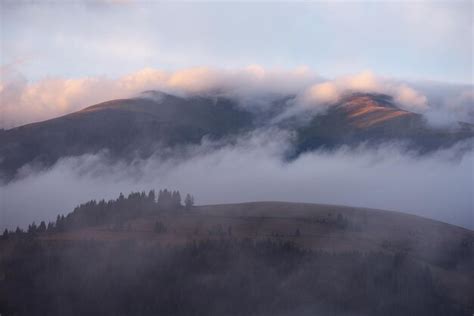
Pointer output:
142, 125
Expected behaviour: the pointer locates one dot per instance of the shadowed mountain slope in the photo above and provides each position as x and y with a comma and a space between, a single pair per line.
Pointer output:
127, 128
140, 127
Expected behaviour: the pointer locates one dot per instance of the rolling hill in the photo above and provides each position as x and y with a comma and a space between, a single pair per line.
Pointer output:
343, 243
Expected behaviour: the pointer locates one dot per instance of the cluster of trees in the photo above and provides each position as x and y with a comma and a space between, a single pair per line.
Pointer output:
218, 230
159, 228
114, 212
32, 230
242, 277
338, 222
297, 233
169, 200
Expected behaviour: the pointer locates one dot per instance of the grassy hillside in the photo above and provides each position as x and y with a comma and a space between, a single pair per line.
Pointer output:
335, 240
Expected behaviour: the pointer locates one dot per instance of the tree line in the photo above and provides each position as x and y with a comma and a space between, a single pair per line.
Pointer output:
115, 211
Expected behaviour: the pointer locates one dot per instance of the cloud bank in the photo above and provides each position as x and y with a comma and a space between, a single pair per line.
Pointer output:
438, 186
331, 91
25, 102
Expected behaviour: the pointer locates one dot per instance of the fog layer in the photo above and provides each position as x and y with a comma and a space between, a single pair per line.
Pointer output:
438, 186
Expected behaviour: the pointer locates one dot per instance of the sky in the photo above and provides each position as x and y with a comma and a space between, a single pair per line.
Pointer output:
415, 40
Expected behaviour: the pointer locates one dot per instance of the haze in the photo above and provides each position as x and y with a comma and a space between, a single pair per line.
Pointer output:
60, 57
438, 186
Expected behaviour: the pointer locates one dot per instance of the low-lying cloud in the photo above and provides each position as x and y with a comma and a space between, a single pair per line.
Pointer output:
25, 102
331, 91
439, 185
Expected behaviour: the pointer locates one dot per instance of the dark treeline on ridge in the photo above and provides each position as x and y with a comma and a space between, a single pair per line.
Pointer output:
118, 211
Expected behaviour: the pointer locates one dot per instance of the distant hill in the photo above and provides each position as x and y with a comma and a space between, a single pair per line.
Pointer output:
375, 119
143, 126
127, 128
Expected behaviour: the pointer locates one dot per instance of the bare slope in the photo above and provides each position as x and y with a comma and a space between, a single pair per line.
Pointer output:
329, 227
375, 119
448, 250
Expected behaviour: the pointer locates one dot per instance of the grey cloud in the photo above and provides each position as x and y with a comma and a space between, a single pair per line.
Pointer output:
438, 186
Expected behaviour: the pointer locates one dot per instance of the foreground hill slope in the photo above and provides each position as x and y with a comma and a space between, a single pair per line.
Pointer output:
361, 262
337, 229
319, 226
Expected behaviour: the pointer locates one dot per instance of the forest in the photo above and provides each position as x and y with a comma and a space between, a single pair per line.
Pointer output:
215, 277
115, 212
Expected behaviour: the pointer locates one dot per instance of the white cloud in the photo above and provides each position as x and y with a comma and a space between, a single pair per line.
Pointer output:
410, 98
366, 81
321, 94
25, 102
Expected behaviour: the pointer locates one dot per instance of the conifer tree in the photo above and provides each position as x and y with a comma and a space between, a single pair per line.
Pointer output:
5, 234
42, 227
188, 201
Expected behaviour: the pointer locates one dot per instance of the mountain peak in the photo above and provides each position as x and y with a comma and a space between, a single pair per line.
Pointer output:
381, 98
370, 109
